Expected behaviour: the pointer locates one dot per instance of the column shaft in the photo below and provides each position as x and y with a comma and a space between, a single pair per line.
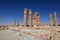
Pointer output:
30, 16
55, 19
38, 20
50, 19
25, 17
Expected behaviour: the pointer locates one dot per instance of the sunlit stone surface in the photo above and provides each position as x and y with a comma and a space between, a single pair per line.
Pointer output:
34, 33
14, 35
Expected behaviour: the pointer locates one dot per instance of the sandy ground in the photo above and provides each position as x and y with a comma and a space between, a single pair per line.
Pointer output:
14, 35
9, 34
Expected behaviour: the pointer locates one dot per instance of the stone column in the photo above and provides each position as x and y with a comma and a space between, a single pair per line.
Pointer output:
30, 13
35, 18
34, 21
38, 20
55, 19
25, 17
14, 22
50, 19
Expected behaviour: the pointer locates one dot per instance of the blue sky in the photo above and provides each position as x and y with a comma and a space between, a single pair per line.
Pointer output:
14, 9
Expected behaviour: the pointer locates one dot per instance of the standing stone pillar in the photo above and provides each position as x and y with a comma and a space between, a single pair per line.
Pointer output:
14, 22
30, 13
35, 18
55, 19
50, 19
34, 21
25, 17
38, 20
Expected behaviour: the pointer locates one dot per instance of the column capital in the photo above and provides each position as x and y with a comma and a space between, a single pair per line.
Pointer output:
30, 11
25, 10
36, 13
38, 16
50, 14
54, 13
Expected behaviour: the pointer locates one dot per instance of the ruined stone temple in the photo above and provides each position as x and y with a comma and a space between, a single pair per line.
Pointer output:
36, 29
46, 31
34, 20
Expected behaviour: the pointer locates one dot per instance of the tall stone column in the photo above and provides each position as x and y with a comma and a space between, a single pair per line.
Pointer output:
25, 17
34, 21
50, 19
38, 20
14, 22
55, 19
30, 13
35, 18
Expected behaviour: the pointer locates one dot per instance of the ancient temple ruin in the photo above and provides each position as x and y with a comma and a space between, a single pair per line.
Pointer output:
35, 28
34, 20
